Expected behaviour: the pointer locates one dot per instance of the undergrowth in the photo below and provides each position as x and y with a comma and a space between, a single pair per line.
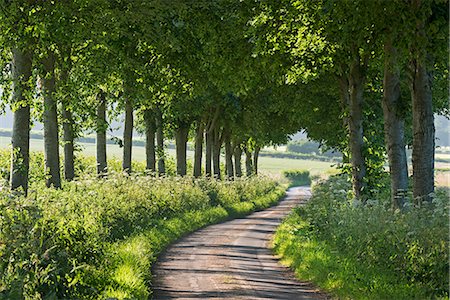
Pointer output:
98, 238
370, 251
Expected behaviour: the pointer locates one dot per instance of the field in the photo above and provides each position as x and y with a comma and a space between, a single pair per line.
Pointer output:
267, 165
271, 166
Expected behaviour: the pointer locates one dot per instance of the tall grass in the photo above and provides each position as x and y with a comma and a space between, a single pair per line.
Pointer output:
98, 238
368, 252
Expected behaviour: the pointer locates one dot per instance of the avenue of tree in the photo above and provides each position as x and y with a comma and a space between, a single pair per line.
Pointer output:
231, 76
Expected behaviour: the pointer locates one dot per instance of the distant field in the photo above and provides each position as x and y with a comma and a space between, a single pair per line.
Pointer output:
442, 155
266, 164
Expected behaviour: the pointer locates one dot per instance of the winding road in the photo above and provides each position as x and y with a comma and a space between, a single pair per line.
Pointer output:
232, 260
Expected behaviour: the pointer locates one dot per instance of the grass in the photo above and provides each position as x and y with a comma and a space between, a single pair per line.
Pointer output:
342, 276
98, 238
367, 252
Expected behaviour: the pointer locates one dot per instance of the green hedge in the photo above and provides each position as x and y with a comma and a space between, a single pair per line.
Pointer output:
368, 252
305, 156
298, 177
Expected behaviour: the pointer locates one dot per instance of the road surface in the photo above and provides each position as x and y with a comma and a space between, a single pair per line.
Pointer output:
232, 260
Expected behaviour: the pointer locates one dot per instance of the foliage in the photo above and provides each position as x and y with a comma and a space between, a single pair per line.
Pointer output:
298, 177
309, 147
368, 252
293, 155
98, 238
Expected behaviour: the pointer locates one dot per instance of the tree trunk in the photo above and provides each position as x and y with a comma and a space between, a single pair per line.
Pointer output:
181, 137
229, 156
68, 131
356, 141
422, 111
68, 136
150, 130
127, 136
20, 157
198, 149
217, 145
255, 159
248, 163
208, 154
237, 160
423, 133
50, 120
102, 165
160, 142
394, 127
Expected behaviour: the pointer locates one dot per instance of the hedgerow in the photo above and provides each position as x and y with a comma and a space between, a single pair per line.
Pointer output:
368, 251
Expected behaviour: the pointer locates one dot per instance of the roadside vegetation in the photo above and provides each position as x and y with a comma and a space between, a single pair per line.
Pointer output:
368, 251
98, 238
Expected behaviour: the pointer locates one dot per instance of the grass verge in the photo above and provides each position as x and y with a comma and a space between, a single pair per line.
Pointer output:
98, 238
134, 257
367, 252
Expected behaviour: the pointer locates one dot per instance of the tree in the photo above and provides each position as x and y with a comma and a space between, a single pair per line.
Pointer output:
433, 15
50, 120
102, 164
21, 73
17, 45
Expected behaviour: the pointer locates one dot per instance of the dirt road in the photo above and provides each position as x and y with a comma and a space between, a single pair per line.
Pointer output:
232, 261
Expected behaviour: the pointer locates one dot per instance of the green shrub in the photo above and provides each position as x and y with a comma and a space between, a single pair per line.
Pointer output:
309, 147
298, 177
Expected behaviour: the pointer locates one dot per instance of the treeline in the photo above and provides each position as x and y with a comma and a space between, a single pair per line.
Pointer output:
233, 77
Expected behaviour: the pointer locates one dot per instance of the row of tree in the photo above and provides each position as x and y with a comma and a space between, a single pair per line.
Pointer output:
178, 69
233, 75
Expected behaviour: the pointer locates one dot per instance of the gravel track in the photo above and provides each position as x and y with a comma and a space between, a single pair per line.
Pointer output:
232, 260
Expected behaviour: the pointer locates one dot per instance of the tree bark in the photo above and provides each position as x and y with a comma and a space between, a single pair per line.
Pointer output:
127, 136
199, 131
217, 145
248, 163
68, 132
229, 156
208, 153
356, 141
50, 120
150, 133
423, 133
394, 127
181, 137
102, 165
160, 142
237, 160
20, 157
422, 111
255, 159
68, 136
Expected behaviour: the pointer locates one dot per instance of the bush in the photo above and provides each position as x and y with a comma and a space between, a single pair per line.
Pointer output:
309, 147
305, 156
298, 177
368, 252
